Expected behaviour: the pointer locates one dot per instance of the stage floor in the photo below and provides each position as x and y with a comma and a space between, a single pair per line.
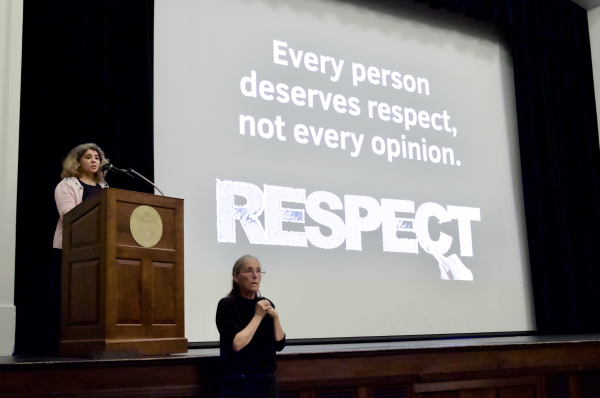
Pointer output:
502, 367
312, 349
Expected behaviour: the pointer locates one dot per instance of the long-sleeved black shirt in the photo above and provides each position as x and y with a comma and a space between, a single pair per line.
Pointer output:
235, 314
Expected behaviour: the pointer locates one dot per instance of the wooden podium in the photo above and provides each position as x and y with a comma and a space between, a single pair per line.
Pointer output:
118, 294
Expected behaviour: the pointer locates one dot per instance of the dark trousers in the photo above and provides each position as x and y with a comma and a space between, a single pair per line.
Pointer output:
250, 385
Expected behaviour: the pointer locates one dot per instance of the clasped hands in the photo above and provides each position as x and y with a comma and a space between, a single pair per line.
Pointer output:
264, 307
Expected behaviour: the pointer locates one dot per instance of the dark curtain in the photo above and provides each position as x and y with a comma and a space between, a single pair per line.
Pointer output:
560, 166
87, 76
560, 158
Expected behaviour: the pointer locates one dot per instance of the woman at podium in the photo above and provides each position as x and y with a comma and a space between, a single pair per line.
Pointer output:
250, 335
81, 178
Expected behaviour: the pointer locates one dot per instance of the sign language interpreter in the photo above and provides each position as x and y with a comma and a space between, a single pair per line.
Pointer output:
250, 335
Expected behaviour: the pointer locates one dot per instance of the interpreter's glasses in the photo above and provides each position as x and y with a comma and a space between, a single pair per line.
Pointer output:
250, 271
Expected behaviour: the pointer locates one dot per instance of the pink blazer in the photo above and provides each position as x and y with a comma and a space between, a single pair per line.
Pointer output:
68, 194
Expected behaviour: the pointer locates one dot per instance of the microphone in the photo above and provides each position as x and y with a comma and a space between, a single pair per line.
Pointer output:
110, 167
129, 172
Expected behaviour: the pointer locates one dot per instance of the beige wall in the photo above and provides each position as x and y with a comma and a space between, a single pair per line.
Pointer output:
594, 24
11, 26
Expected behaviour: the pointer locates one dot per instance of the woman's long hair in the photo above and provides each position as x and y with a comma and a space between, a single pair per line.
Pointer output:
237, 268
71, 164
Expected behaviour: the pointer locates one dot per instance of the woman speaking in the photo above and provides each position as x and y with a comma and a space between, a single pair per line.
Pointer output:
250, 334
81, 178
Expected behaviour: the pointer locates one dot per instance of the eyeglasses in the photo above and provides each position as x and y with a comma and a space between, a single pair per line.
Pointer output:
251, 271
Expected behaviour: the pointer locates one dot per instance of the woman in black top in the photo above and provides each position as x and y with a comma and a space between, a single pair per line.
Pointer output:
250, 335
81, 178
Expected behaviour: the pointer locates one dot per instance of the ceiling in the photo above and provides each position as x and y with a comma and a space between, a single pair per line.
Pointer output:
587, 4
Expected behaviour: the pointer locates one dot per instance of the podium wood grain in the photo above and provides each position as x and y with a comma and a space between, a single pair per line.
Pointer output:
116, 294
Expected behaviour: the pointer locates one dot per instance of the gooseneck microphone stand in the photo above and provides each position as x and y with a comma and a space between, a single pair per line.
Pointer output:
145, 179
127, 172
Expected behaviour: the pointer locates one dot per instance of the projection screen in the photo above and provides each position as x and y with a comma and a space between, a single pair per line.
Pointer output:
367, 155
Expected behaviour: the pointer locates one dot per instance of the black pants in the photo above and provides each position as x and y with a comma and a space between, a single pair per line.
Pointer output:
250, 385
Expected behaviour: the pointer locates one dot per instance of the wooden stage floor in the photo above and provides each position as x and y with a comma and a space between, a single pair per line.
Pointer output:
517, 366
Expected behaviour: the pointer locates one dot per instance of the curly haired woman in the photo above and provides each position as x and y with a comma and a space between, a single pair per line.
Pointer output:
81, 179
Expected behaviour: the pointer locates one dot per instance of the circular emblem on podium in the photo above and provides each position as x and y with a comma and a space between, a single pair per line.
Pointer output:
146, 226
